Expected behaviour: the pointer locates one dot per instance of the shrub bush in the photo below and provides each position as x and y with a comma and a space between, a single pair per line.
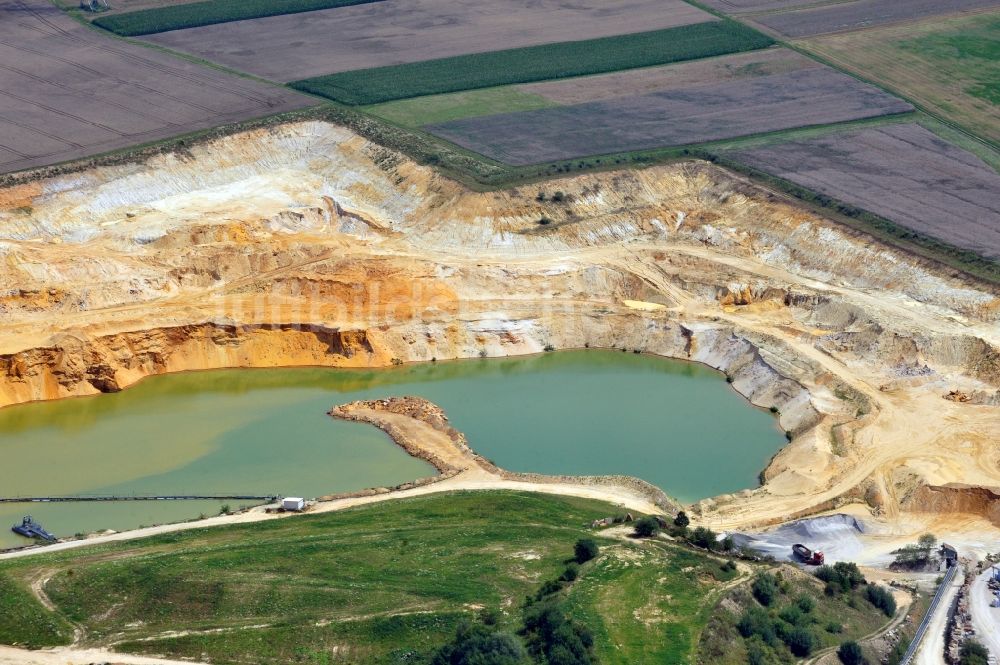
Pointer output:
792, 615
647, 527
571, 573
842, 576
973, 653
704, 537
480, 644
585, 550
765, 589
881, 598
849, 653
755, 621
801, 641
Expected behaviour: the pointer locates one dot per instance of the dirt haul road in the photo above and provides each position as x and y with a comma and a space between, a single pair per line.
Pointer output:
306, 245
72, 656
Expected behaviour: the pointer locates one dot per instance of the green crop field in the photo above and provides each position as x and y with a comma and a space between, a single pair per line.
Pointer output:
535, 63
176, 17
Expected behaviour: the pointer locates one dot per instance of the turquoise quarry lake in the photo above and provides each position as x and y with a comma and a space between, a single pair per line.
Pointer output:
675, 424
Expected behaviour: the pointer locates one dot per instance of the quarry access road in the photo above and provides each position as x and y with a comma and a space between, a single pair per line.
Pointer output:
931, 652
471, 479
71, 656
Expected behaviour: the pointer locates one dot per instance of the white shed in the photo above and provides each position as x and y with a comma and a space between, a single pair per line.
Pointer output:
295, 503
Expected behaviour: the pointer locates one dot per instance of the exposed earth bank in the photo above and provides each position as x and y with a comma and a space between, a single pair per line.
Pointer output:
306, 245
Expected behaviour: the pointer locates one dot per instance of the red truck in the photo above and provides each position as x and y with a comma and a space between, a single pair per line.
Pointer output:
808, 556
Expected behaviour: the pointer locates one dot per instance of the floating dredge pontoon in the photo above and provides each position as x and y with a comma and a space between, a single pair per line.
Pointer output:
29, 528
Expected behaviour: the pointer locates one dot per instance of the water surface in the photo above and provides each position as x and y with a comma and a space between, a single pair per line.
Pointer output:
678, 425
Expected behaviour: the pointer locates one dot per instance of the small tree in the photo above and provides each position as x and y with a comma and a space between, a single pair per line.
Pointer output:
801, 641
585, 550
806, 603
849, 653
765, 589
647, 527
704, 537
571, 573
927, 541
973, 653
682, 520
881, 598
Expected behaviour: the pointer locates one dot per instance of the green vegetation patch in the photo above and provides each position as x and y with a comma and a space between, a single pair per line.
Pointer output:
972, 54
177, 17
394, 582
536, 63
421, 555
23, 620
648, 604
433, 109
400, 638
785, 615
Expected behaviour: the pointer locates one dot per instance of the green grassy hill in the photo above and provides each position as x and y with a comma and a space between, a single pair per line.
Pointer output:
390, 583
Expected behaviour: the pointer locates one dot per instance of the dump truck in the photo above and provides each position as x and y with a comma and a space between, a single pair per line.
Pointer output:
808, 556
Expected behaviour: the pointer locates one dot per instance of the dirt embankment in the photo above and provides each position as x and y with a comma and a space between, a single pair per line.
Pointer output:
955, 498
306, 245
108, 363
422, 429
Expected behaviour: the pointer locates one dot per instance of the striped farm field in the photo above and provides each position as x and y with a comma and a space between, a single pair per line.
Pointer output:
536, 63
210, 12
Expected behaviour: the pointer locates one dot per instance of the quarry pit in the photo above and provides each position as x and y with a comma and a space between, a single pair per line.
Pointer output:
305, 245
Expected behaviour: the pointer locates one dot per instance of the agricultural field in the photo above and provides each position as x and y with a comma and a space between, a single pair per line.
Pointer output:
678, 76
536, 63
68, 92
753, 6
950, 66
810, 96
903, 173
373, 583
434, 109
391, 32
209, 12
860, 14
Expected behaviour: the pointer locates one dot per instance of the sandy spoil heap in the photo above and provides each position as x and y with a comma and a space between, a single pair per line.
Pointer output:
304, 244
